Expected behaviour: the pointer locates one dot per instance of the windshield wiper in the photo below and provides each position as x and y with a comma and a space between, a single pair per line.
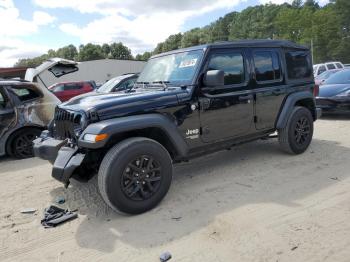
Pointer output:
164, 83
135, 84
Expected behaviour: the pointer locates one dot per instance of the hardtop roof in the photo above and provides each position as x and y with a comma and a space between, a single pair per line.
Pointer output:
242, 43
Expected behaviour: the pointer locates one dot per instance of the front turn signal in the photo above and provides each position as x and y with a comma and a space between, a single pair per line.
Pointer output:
95, 138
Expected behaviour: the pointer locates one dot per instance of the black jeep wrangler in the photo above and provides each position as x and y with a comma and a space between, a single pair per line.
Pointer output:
185, 103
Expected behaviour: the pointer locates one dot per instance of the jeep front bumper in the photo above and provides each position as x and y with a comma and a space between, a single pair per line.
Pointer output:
64, 159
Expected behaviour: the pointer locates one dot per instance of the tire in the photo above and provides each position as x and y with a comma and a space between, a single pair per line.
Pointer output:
127, 175
296, 137
20, 144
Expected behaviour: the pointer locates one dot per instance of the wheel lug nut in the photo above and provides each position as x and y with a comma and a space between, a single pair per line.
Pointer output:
143, 182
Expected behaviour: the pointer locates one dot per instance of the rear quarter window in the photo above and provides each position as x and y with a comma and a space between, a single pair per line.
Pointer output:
339, 65
299, 65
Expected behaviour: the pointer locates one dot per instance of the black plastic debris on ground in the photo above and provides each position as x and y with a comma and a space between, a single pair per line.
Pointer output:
54, 216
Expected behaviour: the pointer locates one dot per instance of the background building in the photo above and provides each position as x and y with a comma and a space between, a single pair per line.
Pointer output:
13, 72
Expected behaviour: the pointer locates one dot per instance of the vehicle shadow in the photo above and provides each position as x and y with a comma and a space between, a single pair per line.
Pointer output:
206, 188
334, 116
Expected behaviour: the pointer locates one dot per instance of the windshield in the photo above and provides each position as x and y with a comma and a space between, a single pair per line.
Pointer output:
342, 77
109, 85
177, 69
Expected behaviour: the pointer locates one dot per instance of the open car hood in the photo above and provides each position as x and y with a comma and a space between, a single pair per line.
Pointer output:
57, 66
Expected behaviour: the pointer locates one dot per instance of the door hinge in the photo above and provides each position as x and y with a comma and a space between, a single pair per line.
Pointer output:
255, 119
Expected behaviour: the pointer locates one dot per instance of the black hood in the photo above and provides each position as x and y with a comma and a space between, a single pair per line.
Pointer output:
333, 90
109, 105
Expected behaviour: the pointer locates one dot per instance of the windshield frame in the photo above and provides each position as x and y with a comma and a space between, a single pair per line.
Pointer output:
192, 81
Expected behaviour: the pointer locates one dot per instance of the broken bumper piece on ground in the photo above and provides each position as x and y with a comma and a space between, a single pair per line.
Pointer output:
54, 216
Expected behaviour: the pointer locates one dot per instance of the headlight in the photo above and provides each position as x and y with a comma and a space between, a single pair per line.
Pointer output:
94, 138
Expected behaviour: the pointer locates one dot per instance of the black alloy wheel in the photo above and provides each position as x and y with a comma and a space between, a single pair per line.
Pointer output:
21, 144
141, 178
302, 131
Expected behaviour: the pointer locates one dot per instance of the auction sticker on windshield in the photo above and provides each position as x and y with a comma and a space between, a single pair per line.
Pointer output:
188, 63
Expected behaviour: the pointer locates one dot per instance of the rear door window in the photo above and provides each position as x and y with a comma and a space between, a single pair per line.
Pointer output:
267, 66
299, 64
24, 93
330, 66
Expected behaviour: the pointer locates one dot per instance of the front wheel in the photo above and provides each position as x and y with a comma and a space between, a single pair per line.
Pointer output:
297, 135
135, 175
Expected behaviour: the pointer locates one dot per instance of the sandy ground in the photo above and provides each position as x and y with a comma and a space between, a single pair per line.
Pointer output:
253, 203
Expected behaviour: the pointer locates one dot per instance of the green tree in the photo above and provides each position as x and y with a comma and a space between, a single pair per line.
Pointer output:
90, 52
106, 49
120, 51
68, 52
297, 3
172, 42
311, 3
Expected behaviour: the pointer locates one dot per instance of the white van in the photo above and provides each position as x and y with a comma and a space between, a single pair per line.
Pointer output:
320, 68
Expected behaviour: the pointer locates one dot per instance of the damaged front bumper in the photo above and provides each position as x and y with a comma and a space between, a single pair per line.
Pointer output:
65, 159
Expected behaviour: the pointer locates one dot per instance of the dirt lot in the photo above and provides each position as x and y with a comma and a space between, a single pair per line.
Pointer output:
252, 203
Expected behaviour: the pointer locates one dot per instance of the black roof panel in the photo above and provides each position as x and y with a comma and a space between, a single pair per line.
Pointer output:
242, 43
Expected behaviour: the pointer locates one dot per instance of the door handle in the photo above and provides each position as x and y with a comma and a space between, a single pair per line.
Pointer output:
245, 98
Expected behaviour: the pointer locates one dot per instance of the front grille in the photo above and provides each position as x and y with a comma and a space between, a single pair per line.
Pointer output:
67, 124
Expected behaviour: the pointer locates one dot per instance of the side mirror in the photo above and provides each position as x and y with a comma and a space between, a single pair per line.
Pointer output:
213, 78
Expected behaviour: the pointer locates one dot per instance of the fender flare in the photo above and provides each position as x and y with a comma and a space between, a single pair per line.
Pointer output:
289, 104
137, 122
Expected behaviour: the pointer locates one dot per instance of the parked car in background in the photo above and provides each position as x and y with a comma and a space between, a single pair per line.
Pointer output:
325, 75
67, 90
118, 83
334, 94
25, 110
347, 65
320, 68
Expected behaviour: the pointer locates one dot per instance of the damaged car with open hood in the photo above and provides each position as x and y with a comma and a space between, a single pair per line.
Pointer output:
27, 107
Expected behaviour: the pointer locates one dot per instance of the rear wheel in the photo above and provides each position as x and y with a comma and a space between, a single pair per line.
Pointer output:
297, 135
135, 175
20, 144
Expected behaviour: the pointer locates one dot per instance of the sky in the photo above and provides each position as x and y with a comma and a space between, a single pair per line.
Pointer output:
29, 28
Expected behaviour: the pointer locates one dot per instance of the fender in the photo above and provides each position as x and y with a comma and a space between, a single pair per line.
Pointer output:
288, 106
131, 123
